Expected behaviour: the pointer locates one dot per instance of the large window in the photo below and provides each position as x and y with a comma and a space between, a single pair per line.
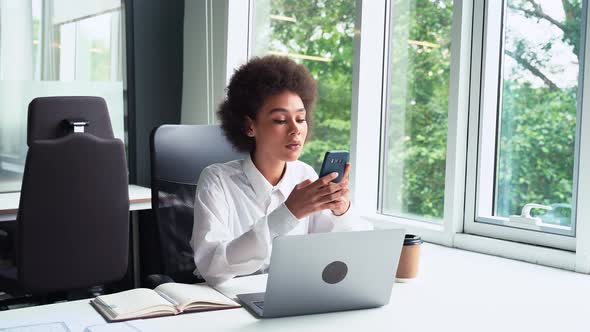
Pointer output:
55, 47
530, 105
468, 117
319, 34
415, 133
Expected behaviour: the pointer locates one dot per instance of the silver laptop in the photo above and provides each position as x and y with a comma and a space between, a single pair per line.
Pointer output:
326, 272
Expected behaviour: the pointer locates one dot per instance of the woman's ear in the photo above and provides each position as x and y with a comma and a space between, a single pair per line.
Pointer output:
249, 127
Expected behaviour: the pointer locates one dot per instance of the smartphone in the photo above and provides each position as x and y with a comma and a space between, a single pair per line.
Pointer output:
334, 161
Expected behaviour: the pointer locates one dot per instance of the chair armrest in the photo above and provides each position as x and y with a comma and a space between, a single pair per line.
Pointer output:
154, 280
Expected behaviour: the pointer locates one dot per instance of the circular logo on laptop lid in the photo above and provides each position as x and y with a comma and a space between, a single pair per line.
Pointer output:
335, 272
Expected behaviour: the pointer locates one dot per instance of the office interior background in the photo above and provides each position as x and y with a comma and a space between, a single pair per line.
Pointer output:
467, 121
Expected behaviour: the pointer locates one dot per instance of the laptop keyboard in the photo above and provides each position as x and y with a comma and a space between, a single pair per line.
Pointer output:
259, 304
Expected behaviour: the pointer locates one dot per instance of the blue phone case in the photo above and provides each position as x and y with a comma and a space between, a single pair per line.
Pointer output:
334, 161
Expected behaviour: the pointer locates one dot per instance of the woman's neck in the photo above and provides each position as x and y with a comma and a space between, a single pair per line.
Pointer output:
271, 169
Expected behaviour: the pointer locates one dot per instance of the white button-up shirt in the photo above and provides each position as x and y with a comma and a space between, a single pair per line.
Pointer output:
238, 213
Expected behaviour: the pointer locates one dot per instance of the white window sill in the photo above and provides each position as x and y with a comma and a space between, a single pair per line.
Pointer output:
434, 233
560, 259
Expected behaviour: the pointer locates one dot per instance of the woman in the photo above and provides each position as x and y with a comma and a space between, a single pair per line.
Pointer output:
242, 205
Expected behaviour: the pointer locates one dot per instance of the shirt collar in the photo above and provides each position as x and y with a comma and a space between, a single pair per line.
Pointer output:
262, 188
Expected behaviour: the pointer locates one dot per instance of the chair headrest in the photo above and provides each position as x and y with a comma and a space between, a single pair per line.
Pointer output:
47, 117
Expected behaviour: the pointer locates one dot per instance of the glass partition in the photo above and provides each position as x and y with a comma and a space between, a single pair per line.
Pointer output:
50, 48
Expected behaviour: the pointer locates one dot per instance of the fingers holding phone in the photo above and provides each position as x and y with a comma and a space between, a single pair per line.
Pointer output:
308, 197
329, 192
342, 203
338, 161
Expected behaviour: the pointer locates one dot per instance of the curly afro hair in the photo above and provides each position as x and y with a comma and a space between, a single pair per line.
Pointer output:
252, 84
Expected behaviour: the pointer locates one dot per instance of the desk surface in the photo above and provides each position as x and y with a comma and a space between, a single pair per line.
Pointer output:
139, 199
455, 291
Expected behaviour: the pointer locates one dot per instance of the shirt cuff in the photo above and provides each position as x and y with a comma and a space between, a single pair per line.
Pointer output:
345, 212
281, 221
350, 221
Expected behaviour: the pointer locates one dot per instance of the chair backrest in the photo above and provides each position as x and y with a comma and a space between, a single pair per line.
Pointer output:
73, 217
178, 155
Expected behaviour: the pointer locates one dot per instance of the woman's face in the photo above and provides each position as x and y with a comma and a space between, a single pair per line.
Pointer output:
280, 128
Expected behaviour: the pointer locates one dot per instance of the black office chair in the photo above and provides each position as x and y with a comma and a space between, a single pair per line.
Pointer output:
178, 155
73, 217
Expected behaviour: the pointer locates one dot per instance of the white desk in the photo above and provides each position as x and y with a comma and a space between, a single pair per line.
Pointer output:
140, 198
456, 291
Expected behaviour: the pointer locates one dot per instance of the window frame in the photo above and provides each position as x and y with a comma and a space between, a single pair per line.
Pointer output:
582, 162
368, 160
485, 96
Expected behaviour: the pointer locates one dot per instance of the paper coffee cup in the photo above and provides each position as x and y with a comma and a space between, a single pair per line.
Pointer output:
407, 268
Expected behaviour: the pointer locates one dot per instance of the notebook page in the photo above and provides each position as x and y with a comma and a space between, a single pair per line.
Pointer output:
134, 302
185, 294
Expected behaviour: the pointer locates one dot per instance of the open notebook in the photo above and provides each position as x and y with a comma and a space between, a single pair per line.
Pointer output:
166, 299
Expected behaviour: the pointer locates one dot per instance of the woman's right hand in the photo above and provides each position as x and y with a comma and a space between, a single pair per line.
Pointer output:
311, 196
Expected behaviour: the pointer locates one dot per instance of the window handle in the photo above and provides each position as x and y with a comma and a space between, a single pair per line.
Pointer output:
525, 215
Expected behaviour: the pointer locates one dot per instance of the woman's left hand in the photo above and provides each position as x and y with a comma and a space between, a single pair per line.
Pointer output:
343, 202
